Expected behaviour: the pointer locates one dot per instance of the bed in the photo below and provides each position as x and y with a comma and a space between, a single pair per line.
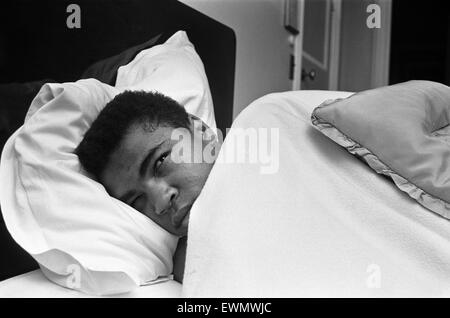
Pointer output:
317, 222
37, 46
35, 285
304, 218
323, 225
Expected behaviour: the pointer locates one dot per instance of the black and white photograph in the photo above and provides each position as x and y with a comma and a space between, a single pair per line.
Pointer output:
224, 150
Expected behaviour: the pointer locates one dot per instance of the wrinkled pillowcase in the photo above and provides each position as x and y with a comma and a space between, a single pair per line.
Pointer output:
81, 237
173, 69
15, 99
401, 131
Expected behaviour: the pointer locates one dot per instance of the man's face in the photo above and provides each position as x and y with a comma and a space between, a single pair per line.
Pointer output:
142, 174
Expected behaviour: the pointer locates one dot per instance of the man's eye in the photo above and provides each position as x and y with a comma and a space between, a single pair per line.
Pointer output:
160, 161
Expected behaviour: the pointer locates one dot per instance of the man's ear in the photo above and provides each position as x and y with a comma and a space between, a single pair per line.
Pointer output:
200, 127
196, 124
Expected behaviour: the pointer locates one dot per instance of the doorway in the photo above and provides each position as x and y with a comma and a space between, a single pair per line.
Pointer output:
317, 53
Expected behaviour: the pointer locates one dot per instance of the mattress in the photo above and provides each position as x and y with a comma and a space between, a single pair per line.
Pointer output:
35, 285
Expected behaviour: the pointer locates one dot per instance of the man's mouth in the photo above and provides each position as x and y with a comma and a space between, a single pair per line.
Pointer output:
180, 215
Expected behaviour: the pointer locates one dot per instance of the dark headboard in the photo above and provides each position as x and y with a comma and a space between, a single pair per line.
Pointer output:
36, 44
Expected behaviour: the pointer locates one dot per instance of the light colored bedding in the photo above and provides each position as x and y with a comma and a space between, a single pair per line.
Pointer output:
324, 225
35, 285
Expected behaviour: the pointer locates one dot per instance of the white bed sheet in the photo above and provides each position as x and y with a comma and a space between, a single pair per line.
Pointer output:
35, 285
325, 225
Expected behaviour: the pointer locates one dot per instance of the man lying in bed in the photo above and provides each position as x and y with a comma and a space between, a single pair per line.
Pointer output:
128, 149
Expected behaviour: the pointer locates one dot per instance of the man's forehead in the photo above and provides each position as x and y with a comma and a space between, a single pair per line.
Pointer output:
137, 140
123, 167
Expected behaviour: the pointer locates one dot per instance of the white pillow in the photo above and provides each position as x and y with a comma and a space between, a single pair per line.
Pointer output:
81, 237
173, 69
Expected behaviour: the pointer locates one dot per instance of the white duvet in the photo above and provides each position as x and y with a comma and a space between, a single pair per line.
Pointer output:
35, 285
324, 225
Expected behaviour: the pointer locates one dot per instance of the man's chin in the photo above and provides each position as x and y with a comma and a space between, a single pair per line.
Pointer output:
183, 229
181, 233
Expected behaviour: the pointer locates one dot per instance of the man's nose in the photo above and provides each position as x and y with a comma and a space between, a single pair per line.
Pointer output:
160, 195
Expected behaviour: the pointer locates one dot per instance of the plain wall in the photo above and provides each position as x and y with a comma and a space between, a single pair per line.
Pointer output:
262, 46
356, 47
365, 52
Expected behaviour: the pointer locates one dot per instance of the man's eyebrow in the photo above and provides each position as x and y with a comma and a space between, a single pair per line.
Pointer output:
148, 158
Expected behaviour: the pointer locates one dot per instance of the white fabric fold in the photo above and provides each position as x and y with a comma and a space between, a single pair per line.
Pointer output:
324, 225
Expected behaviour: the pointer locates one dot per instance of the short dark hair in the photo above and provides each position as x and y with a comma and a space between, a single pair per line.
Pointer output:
149, 109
